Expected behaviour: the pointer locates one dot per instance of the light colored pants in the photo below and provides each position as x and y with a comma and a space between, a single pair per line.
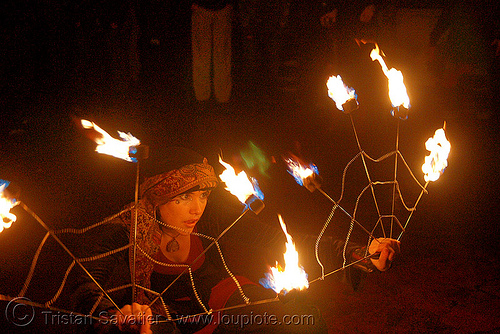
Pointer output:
211, 42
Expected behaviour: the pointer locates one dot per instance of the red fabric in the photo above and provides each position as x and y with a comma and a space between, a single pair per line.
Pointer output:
219, 297
196, 249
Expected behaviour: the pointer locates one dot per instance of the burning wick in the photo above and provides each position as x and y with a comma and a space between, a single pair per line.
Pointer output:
306, 176
434, 165
108, 145
6, 204
436, 162
397, 89
290, 277
344, 97
247, 191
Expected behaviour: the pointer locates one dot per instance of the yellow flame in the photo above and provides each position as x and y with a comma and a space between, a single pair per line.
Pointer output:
237, 184
292, 275
298, 170
397, 88
375, 55
338, 91
111, 146
6, 217
436, 161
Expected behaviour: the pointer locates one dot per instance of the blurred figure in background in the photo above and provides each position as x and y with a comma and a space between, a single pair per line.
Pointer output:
211, 48
466, 53
322, 38
260, 43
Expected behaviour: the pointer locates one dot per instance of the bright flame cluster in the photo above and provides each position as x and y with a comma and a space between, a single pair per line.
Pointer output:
339, 92
111, 146
6, 217
238, 184
436, 162
397, 88
300, 172
292, 275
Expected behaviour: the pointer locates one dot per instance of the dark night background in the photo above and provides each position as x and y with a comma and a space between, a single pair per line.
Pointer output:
66, 60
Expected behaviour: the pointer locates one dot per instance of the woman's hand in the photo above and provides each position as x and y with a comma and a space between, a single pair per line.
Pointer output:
388, 250
135, 319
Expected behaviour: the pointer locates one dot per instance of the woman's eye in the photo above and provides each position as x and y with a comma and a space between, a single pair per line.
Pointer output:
184, 196
205, 194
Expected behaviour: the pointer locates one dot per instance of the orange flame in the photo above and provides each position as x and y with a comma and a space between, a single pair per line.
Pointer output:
298, 170
301, 171
339, 92
436, 162
111, 146
292, 275
6, 204
397, 88
237, 184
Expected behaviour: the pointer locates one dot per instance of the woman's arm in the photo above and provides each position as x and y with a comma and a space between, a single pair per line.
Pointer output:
87, 292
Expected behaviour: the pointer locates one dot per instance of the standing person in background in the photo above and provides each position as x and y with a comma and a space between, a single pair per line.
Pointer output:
260, 38
125, 65
322, 39
348, 23
211, 46
465, 54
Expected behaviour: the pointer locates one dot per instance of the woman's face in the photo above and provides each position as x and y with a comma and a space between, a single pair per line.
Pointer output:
185, 210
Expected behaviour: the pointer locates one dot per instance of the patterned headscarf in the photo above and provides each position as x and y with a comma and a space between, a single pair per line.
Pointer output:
159, 189
190, 172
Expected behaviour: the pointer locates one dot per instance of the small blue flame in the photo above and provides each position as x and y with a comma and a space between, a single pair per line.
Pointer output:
268, 282
132, 150
298, 179
3, 185
400, 116
257, 192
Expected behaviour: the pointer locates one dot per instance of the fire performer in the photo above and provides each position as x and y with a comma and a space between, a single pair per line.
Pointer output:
171, 236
